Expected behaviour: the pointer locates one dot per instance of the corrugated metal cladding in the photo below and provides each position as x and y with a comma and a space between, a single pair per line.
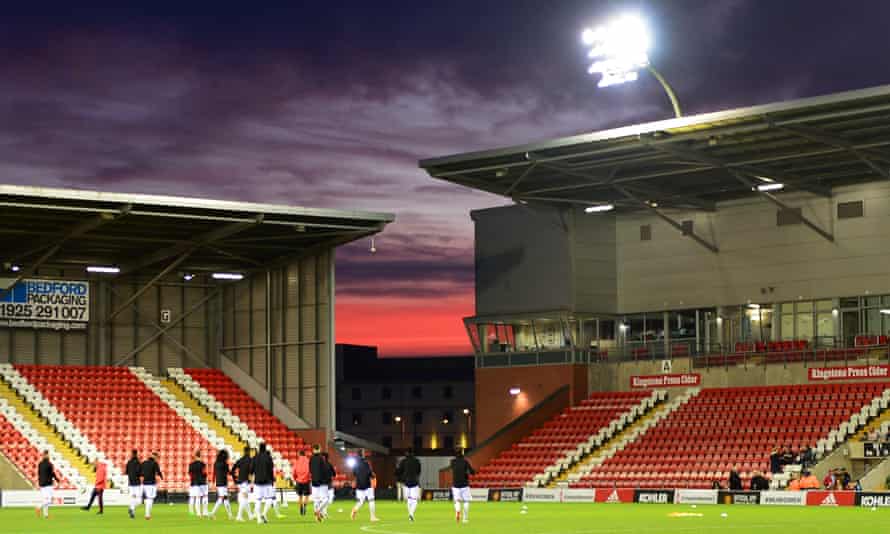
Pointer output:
187, 341
205, 321
297, 317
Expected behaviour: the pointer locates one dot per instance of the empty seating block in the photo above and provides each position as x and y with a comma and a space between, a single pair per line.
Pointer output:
252, 413
22, 453
118, 413
543, 447
730, 428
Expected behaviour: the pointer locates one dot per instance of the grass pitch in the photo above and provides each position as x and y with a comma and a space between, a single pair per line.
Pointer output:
494, 518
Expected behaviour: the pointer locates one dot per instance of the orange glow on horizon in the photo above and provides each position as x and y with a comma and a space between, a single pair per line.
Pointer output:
406, 326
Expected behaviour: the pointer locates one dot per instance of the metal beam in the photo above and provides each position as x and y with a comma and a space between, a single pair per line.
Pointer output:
197, 241
819, 136
53, 245
739, 169
691, 234
148, 285
162, 331
772, 198
521, 177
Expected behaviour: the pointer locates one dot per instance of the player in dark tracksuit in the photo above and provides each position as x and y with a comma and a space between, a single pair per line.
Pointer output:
319, 471
221, 474
242, 471
460, 485
134, 479
151, 472
364, 486
46, 477
197, 482
408, 473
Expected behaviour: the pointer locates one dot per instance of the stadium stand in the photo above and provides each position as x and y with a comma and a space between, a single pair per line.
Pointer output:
21, 444
722, 429
619, 442
244, 415
564, 439
113, 408
68, 439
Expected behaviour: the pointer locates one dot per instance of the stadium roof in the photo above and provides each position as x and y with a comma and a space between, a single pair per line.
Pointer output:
812, 144
63, 228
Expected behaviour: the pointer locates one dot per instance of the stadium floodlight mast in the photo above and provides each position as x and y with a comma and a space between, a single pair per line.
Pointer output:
619, 49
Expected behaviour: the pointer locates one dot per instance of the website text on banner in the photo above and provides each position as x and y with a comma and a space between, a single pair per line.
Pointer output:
665, 381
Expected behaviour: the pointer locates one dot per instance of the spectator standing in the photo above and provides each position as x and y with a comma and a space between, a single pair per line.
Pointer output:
735, 481
775, 462
759, 482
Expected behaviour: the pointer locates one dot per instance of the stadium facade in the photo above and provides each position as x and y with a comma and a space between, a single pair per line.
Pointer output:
243, 287
744, 247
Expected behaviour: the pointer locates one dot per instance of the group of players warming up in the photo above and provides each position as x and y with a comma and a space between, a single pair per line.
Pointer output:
313, 476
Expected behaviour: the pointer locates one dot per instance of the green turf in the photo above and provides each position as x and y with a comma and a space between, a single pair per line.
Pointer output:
434, 518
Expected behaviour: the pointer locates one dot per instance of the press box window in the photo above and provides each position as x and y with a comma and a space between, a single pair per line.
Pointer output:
850, 210
646, 232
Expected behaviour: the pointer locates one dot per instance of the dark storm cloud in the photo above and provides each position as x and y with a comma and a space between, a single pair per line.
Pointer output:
332, 105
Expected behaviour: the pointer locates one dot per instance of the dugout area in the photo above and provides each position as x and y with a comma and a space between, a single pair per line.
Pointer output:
244, 287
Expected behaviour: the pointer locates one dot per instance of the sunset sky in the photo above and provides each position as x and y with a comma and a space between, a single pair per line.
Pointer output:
331, 104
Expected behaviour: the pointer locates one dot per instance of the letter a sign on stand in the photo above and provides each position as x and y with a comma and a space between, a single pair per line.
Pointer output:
667, 366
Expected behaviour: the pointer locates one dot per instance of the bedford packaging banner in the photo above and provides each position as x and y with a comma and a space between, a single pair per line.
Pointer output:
831, 498
874, 500
783, 498
665, 381
55, 304
654, 496
850, 372
618, 495
541, 495
505, 495
739, 497
693, 496
578, 495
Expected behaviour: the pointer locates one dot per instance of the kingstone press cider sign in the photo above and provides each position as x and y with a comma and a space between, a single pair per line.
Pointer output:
55, 304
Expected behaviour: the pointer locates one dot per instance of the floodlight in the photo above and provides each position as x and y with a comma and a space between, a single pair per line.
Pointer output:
188, 277
15, 268
599, 208
466, 411
227, 276
774, 186
885, 311
619, 48
351, 462
104, 269
515, 391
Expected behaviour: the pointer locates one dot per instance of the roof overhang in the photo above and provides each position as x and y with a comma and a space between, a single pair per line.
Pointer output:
695, 162
62, 228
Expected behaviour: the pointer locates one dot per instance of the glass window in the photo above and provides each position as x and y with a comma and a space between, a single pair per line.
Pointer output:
787, 307
825, 325
417, 392
356, 394
804, 326
386, 418
824, 305
418, 442
356, 419
447, 392
787, 326
449, 442
872, 301
886, 300
418, 418
386, 393
872, 321
805, 306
